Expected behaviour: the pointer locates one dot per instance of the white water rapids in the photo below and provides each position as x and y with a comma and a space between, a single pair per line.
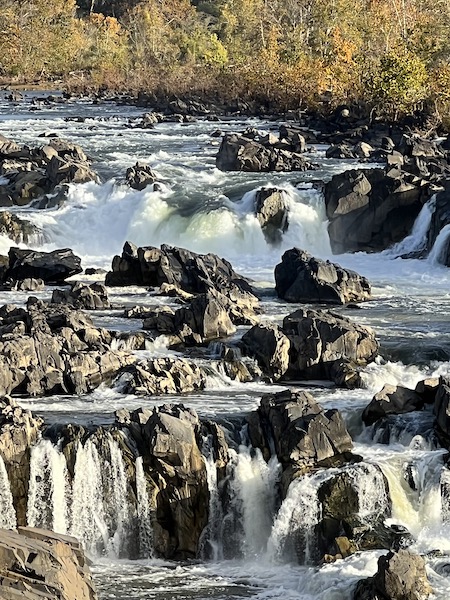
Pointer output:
251, 544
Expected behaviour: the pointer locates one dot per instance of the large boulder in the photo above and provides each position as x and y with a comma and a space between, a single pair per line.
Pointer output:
441, 411
271, 209
392, 400
322, 340
270, 346
369, 210
51, 267
304, 434
400, 576
140, 176
36, 564
301, 277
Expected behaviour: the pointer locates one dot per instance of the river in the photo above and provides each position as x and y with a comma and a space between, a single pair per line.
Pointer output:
206, 210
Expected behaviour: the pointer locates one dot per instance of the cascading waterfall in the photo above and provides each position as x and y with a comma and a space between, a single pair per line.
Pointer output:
415, 491
143, 512
7, 512
48, 488
372, 494
210, 543
416, 241
253, 494
440, 247
292, 536
88, 513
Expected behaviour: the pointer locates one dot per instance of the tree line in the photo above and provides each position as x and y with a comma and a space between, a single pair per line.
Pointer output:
388, 56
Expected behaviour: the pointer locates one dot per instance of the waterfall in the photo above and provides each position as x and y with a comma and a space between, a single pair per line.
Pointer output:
293, 532
87, 511
417, 239
210, 543
116, 498
143, 512
252, 492
370, 484
48, 488
7, 512
440, 247
415, 491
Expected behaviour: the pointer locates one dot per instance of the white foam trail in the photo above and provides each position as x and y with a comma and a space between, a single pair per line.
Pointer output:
48, 488
440, 247
8, 518
211, 542
417, 239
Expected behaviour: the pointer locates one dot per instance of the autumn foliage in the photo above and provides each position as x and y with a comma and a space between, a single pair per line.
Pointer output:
388, 56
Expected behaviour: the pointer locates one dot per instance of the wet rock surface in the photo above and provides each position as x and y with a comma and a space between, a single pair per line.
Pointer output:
301, 277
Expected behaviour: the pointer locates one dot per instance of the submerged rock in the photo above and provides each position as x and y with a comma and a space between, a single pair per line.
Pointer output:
301, 277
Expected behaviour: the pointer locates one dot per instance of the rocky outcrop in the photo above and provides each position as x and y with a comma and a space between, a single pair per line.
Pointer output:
371, 209
83, 296
392, 400
304, 434
51, 267
321, 341
173, 459
36, 564
441, 411
221, 292
251, 152
400, 574
19, 430
271, 209
53, 349
33, 172
161, 376
301, 277
140, 176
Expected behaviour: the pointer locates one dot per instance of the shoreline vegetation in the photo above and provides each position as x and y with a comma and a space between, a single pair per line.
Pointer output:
387, 59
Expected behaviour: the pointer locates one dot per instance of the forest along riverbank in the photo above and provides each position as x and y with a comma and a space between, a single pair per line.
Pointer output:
289, 468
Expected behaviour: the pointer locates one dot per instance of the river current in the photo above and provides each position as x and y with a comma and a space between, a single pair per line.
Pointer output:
206, 210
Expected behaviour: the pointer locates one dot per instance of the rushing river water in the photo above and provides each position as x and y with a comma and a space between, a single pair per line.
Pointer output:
206, 210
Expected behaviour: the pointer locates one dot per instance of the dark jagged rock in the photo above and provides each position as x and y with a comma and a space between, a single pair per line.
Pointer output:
189, 272
392, 400
400, 575
270, 346
80, 295
320, 340
32, 173
17, 229
161, 376
244, 153
40, 564
51, 267
301, 277
372, 209
303, 433
271, 210
140, 176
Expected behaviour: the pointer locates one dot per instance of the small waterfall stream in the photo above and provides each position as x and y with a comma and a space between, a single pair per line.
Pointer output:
7, 511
